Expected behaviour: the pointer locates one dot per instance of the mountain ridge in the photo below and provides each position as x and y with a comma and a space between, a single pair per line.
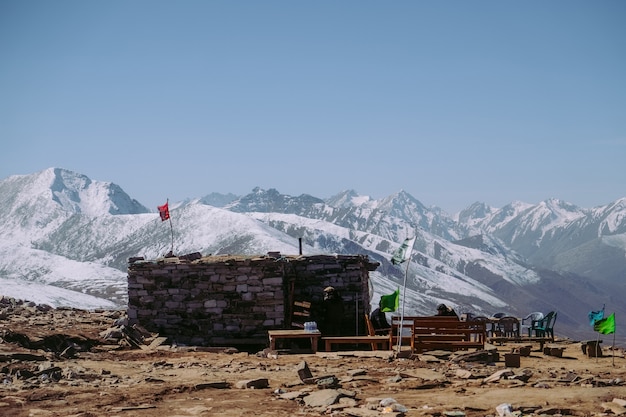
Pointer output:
482, 259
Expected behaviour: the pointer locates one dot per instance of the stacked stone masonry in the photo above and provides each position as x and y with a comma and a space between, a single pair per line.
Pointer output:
230, 300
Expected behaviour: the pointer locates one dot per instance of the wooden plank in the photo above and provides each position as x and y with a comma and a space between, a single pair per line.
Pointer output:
330, 340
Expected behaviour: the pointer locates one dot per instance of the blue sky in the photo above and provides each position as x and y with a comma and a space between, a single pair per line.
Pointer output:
452, 101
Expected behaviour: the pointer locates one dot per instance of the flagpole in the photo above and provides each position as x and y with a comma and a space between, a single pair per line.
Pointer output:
406, 273
613, 348
171, 228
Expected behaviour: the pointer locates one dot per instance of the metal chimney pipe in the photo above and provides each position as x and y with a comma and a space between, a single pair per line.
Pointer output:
300, 243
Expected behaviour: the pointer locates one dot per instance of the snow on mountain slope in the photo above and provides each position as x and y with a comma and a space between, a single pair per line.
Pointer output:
35, 205
94, 239
207, 229
433, 277
53, 296
60, 279
612, 218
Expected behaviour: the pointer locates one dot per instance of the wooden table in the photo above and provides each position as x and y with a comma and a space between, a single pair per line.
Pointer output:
275, 335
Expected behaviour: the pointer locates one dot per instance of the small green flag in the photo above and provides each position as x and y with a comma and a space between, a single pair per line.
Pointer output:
606, 325
390, 302
403, 253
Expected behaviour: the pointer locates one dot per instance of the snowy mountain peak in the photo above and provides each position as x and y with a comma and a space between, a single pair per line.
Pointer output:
347, 198
272, 201
35, 205
476, 211
77, 193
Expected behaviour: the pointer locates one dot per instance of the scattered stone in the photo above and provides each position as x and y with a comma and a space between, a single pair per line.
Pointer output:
614, 408
504, 410
304, 372
486, 355
258, 383
268, 353
524, 376
620, 401
322, 398
463, 373
394, 379
361, 412
356, 372
389, 405
293, 395
554, 410
215, 385
347, 402
327, 382
503, 373
427, 384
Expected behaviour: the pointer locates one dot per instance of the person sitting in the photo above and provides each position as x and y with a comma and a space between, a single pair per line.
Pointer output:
379, 321
444, 310
332, 312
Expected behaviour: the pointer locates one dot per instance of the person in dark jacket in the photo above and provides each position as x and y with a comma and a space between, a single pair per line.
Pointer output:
332, 312
444, 310
379, 321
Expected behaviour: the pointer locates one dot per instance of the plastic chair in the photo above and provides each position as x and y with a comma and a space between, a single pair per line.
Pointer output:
488, 324
550, 327
545, 326
508, 326
531, 319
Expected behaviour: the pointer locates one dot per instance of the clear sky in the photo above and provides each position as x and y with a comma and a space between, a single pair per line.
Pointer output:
451, 101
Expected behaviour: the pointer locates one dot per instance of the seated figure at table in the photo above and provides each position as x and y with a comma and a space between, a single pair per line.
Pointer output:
332, 312
379, 321
444, 310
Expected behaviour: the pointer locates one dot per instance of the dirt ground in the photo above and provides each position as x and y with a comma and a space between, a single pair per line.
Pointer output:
41, 376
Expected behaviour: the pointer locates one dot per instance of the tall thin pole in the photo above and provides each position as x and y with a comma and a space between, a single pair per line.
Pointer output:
169, 216
406, 273
172, 233
613, 348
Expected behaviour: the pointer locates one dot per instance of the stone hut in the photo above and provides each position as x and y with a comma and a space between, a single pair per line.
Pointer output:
232, 300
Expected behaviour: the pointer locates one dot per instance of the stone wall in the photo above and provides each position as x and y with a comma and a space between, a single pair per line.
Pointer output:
234, 300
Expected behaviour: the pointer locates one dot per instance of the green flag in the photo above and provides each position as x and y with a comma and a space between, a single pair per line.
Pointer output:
403, 253
390, 302
606, 325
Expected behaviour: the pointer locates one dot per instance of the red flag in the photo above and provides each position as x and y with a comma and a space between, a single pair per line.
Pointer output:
164, 211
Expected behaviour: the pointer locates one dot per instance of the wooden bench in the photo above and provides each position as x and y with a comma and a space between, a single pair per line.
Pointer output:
329, 341
376, 341
440, 332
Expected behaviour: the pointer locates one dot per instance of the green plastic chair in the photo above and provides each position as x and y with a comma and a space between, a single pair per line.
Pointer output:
545, 326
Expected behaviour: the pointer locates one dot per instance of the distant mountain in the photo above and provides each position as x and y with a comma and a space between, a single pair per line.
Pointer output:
66, 240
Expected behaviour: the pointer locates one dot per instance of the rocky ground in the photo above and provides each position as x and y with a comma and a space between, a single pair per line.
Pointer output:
67, 362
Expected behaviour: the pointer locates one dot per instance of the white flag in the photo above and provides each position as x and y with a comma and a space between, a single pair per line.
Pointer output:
403, 253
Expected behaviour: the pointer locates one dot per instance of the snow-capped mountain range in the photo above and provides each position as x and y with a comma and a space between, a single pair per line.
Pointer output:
66, 240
